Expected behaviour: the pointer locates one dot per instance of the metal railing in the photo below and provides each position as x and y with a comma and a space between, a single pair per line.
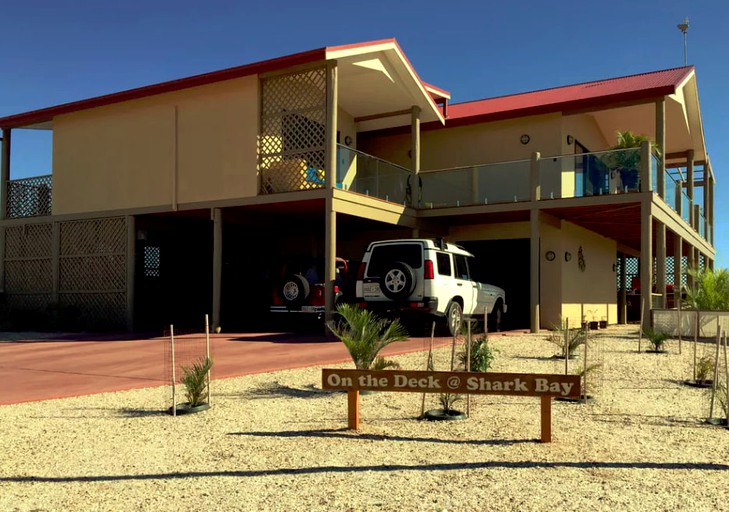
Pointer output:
480, 184
366, 174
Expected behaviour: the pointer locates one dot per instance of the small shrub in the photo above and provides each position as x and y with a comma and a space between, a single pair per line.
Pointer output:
568, 342
657, 339
194, 378
704, 369
482, 355
447, 400
585, 374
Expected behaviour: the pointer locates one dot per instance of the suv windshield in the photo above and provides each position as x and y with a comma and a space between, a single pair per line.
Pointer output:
385, 255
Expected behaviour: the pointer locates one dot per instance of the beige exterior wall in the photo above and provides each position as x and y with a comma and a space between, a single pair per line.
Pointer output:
590, 294
550, 276
473, 144
193, 145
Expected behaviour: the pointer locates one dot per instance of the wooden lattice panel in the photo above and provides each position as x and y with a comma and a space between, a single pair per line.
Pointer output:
28, 241
97, 310
92, 271
293, 131
96, 236
28, 276
30, 197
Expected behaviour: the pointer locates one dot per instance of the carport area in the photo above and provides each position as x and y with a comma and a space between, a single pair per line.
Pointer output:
37, 368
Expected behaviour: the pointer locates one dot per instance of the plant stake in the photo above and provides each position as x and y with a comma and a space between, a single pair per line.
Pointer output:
207, 356
716, 372
172, 348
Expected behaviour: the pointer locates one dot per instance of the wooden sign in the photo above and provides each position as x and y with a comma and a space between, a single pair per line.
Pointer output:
545, 386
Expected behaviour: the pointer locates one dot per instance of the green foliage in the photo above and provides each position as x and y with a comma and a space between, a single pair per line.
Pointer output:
365, 334
710, 291
195, 381
586, 375
568, 340
656, 338
482, 355
447, 400
380, 363
704, 368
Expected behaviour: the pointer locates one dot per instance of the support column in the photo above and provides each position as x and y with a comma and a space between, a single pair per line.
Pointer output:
690, 184
646, 183
415, 161
661, 142
217, 264
677, 269
623, 311
661, 263
415, 139
4, 174
534, 271
690, 267
710, 208
131, 266
697, 217
56, 261
705, 191
646, 260
330, 221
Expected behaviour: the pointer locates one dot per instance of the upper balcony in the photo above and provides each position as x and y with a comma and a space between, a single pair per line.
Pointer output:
29, 197
603, 173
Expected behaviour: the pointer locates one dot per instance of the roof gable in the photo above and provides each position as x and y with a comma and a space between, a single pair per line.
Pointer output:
589, 94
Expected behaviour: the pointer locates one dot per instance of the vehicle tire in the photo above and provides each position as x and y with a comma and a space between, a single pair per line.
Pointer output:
398, 282
295, 290
454, 318
496, 317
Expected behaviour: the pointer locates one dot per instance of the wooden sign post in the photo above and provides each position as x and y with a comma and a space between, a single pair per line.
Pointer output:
545, 386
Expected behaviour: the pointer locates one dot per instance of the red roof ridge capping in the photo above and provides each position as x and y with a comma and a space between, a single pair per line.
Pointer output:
277, 63
625, 88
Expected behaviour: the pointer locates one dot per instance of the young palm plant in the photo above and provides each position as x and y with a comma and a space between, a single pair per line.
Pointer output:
656, 338
365, 334
568, 340
195, 380
710, 291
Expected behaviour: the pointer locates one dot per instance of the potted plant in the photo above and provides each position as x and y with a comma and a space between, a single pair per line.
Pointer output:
603, 323
625, 159
446, 412
197, 390
364, 334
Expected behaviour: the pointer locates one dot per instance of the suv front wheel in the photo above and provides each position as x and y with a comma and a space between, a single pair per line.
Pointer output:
454, 318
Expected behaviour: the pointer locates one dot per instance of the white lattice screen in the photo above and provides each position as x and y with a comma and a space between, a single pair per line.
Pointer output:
293, 131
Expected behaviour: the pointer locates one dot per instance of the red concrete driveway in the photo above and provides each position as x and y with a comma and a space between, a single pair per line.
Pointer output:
66, 366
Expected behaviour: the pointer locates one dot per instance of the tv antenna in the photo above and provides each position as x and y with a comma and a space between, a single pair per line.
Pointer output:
683, 27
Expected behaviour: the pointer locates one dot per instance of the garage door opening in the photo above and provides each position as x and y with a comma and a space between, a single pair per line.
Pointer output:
505, 263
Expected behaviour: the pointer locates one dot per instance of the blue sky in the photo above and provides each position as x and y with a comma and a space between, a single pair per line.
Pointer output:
65, 50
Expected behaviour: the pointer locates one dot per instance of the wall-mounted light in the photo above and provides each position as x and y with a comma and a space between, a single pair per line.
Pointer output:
550, 255
615, 267
348, 140
567, 256
570, 139
524, 139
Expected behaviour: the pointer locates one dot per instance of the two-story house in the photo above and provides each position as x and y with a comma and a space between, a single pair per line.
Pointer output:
187, 197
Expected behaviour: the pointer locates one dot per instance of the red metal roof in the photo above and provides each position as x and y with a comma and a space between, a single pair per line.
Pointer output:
570, 97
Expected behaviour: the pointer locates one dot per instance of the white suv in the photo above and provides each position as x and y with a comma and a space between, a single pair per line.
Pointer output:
426, 276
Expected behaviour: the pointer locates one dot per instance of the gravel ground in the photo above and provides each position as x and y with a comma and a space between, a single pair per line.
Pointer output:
278, 442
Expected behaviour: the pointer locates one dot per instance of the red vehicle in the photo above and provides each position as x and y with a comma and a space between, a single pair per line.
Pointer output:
301, 290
